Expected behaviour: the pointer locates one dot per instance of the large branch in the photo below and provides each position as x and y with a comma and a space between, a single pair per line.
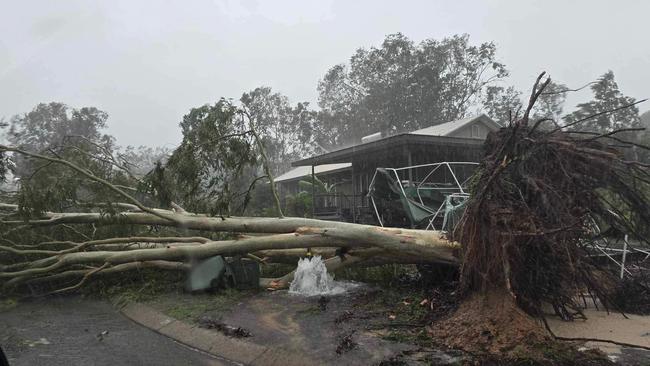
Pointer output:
399, 244
90, 176
232, 247
78, 247
176, 266
393, 238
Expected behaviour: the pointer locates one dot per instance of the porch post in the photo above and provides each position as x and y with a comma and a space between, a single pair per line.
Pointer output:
409, 157
313, 192
354, 195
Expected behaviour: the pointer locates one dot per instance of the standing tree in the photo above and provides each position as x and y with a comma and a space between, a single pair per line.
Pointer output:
74, 135
401, 86
504, 105
280, 126
208, 171
607, 97
54, 125
551, 102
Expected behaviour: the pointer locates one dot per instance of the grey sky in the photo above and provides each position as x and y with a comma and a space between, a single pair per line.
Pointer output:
147, 63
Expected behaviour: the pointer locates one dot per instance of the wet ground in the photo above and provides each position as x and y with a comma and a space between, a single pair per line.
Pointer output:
74, 331
369, 325
600, 324
349, 329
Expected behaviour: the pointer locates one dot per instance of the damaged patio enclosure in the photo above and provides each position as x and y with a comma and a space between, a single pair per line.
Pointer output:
407, 173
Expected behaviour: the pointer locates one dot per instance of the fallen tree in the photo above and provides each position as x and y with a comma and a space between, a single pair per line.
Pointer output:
527, 230
279, 234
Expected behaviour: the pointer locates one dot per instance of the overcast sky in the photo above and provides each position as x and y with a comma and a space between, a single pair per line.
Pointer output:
147, 63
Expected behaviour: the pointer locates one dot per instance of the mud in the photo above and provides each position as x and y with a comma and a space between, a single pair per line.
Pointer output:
348, 329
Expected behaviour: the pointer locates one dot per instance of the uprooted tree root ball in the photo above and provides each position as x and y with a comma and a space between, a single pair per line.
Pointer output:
527, 230
489, 323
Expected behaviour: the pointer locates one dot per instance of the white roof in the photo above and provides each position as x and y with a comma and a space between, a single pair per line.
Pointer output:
303, 171
445, 129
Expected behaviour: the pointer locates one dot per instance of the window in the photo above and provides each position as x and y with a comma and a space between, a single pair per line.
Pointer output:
475, 131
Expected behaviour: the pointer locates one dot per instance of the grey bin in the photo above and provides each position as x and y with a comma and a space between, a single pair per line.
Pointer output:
215, 272
242, 274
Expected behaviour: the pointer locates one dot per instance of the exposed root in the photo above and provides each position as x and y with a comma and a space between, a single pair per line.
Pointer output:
490, 323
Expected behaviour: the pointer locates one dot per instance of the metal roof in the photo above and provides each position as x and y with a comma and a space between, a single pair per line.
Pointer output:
445, 129
303, 171
434, 135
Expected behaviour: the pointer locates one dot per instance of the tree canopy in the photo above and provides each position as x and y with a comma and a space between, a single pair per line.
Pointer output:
401, 86
607, 97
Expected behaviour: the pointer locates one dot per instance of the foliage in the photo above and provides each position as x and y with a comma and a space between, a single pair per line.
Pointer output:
143, 159
643, 138
504, 104
51, 127
283, 128
65, 133
299, 205
607, 97
550, 103
217, 154
320, 186
401, 86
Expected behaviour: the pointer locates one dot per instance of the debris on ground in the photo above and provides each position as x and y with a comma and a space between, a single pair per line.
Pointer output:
229, 330
40, 341
346, 344
100, 336
322, 303
347, 315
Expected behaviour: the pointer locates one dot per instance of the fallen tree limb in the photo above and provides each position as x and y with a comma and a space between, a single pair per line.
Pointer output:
78, 247
442, 253
120, 268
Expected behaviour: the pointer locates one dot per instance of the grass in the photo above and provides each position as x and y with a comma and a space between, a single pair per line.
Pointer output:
190, 307
7, 304
387, 275
164, 291
141, 286
274, 270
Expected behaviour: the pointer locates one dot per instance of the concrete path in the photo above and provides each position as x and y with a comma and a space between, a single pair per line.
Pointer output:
613, 326
75, 331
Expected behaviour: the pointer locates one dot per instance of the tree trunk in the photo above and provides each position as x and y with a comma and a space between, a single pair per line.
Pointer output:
268, 237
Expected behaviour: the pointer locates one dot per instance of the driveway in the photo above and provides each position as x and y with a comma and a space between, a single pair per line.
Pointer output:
77, 331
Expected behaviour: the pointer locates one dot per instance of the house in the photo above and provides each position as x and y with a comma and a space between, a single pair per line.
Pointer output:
349, 170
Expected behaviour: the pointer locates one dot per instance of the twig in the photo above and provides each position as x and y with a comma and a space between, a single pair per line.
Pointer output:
570, 90
534, 95
80, 283
596, 115
581, 339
